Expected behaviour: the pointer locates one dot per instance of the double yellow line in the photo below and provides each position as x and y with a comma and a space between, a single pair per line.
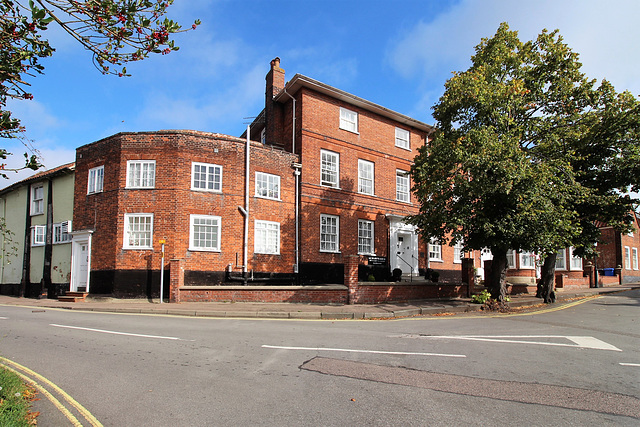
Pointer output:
36, 380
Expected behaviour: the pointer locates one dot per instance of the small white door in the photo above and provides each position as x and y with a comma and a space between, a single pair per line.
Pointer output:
80, 261
404, 253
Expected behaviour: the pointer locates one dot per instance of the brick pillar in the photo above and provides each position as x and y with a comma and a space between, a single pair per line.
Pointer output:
468, 275
589, 271
177, 279
351, 276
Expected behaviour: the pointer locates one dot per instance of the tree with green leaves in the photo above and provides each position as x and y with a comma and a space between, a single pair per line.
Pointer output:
116, 32
500, 171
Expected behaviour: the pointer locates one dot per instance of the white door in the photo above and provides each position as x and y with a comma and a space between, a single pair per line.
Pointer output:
80, 261
404, 253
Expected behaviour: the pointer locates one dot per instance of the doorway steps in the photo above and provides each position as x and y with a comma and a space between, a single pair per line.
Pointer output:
73, 296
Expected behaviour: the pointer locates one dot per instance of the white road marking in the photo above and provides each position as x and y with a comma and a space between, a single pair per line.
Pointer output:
578, 341
630, 364
347, 350
115, 332
3, 318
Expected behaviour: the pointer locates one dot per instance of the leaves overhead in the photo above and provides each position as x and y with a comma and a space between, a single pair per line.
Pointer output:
115, 31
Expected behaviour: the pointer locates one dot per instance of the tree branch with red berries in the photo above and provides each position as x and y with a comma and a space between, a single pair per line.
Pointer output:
116, 32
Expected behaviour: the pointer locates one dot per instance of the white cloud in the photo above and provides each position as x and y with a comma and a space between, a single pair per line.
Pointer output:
605, 34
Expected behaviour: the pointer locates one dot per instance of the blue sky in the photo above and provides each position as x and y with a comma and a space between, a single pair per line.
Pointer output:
397, 53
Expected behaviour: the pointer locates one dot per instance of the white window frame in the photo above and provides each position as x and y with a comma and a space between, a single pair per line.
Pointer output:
457, 252
527, 260
348, 120
127, 238
403, 139
403, 190
38, 235
95, 181
634, 258
575, 262
267, 186
366, 177
266, 237
60, 235
366, 242
627, 258
435, 250
326, 243
141, 174
37, 199
215, 245
329, 168
263, 136
561, 260
511, 258
210, 185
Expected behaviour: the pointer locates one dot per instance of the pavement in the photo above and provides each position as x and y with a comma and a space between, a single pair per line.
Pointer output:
301, 311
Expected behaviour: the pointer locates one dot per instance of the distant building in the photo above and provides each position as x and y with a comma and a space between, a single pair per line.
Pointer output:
36, 255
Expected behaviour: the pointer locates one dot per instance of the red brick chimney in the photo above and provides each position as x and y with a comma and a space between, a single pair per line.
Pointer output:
273, 111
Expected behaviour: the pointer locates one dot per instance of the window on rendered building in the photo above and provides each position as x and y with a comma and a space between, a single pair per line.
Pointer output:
138, 231
267, 237
38, 235
365, 177
365, 237
37, 199
329, 229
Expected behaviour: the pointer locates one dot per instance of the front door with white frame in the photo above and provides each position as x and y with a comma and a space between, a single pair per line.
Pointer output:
80, 261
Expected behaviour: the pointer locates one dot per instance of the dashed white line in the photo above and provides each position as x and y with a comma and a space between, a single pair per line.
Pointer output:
347, 350
115, 332
629, 364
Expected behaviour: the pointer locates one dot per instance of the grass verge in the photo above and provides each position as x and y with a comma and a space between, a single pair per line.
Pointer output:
15, 400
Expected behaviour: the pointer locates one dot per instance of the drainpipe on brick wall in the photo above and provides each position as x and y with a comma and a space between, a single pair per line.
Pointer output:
293, 122
245, 210
296, 172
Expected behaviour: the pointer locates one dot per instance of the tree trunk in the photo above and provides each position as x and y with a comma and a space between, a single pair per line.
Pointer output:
546, 284
498, 287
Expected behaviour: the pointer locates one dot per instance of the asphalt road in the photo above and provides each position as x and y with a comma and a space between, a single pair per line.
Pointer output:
570, 366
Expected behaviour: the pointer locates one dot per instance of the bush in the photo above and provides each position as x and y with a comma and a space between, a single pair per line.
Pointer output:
397, 274
435, 276
371, 278
481, 298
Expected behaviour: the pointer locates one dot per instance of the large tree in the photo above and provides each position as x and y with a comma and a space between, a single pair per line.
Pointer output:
115, 31
500, 171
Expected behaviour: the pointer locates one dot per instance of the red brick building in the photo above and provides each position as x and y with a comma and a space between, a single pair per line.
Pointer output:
618, 253
326, 186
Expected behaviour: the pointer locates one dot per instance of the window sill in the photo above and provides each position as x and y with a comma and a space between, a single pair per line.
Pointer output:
204, 250
140, 188
268, 198
403, 148
137, 248
436, 260
329, 252
335, 187
349, 130
204, 190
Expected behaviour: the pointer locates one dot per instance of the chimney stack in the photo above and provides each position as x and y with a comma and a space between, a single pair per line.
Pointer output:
273, 111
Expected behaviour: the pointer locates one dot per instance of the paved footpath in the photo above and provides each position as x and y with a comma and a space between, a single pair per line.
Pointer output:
298, 311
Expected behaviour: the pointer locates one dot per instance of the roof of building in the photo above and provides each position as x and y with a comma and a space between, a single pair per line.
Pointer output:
298, 81
49, 173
